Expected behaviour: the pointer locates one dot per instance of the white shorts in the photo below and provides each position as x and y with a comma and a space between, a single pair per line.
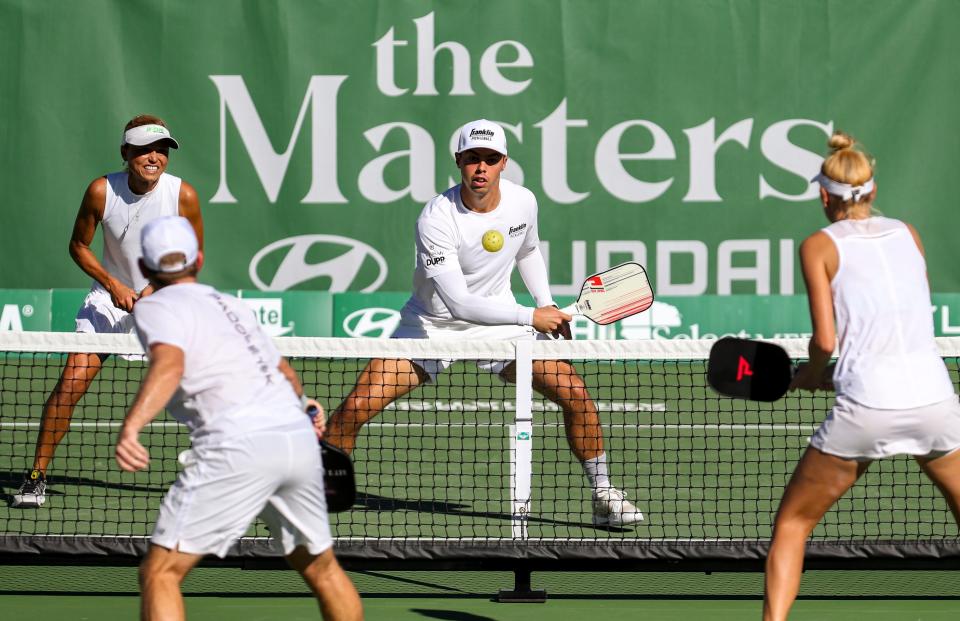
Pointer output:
434, 367
275, 474
855, 431
99, 315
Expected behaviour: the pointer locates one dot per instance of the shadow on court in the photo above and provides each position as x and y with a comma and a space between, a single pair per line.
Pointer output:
449, 615
374, 502
10, 480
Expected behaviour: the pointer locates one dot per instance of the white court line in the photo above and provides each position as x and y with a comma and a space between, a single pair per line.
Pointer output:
454, 540
691, 426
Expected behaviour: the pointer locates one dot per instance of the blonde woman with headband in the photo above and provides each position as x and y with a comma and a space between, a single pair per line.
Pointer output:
867, 285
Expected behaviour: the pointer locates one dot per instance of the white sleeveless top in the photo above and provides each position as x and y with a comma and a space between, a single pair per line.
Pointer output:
881, 300
124, 214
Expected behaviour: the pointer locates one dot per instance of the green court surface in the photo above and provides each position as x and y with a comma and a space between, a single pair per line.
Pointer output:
269, 609
42, 593
438, 463
438, 466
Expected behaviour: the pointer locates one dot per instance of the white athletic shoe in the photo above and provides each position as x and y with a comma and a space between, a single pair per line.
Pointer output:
611, 508
33, 491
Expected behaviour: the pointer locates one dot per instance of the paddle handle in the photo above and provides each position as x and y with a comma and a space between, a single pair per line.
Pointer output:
572, 309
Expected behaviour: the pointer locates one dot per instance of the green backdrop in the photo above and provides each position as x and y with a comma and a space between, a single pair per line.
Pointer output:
682, 134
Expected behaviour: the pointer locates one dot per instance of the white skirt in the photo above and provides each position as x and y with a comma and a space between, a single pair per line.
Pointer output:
99, 315
855, 431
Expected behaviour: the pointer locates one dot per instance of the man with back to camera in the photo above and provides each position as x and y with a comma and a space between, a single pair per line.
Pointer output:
122, 202
253, 448
468, 240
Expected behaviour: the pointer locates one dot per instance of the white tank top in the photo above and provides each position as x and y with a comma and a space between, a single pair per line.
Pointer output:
124, 214
881, 299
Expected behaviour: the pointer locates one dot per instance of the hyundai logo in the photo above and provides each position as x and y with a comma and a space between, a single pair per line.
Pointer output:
342, 270
374, 322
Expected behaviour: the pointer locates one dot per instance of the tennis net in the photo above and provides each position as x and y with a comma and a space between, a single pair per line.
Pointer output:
471, 467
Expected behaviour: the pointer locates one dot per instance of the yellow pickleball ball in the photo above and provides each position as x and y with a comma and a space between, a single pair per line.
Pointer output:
492, 241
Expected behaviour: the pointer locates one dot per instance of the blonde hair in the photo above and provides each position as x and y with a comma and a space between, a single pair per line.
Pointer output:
848, 163
144, 119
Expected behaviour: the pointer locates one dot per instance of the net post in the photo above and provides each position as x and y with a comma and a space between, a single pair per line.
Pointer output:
523, 592
521, 441
521, 471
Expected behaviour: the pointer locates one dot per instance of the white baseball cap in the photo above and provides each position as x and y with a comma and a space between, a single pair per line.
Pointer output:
482, 134
165, 236
148, 134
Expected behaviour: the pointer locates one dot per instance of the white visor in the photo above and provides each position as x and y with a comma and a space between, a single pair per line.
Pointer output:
845, 191
148, 134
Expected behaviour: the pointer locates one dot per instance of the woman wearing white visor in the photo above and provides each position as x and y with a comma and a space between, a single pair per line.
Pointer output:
121, 203
867, 283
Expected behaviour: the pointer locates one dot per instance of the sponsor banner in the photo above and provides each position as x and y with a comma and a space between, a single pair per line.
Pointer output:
24, 310
681, 135
290, 313
66, 303
376, 315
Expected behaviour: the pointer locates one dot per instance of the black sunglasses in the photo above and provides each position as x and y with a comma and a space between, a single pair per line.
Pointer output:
472, 158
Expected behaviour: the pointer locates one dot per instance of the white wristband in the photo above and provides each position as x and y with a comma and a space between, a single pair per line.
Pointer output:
303, 402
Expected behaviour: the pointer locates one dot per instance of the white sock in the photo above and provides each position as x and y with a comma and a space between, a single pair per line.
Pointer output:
596, 471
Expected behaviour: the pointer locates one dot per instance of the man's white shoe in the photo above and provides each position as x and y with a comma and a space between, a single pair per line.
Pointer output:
611, 508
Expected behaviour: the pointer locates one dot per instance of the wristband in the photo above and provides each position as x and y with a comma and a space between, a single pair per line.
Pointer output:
303, 401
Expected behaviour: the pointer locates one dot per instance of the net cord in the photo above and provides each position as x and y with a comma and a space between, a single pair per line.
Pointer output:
365, 348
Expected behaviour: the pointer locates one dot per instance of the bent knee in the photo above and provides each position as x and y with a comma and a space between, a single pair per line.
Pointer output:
154, 573
313, 565
356, 410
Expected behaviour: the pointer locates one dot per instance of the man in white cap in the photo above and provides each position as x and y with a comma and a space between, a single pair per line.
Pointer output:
122, 202
468, 240
254, 450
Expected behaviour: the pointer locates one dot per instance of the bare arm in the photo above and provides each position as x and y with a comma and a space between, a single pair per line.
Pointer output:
161, 381
84, 228
189, 208
819, 260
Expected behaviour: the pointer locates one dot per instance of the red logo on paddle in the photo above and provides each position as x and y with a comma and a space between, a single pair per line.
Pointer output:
743, 368
596, 283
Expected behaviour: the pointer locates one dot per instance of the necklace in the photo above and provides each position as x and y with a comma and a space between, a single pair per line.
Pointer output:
133, 220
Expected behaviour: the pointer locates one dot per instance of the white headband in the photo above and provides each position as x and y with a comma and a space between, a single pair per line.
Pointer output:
844, 190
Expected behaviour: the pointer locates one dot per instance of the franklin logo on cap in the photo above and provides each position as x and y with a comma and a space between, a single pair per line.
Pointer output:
482, 134
163, 237
148, 134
